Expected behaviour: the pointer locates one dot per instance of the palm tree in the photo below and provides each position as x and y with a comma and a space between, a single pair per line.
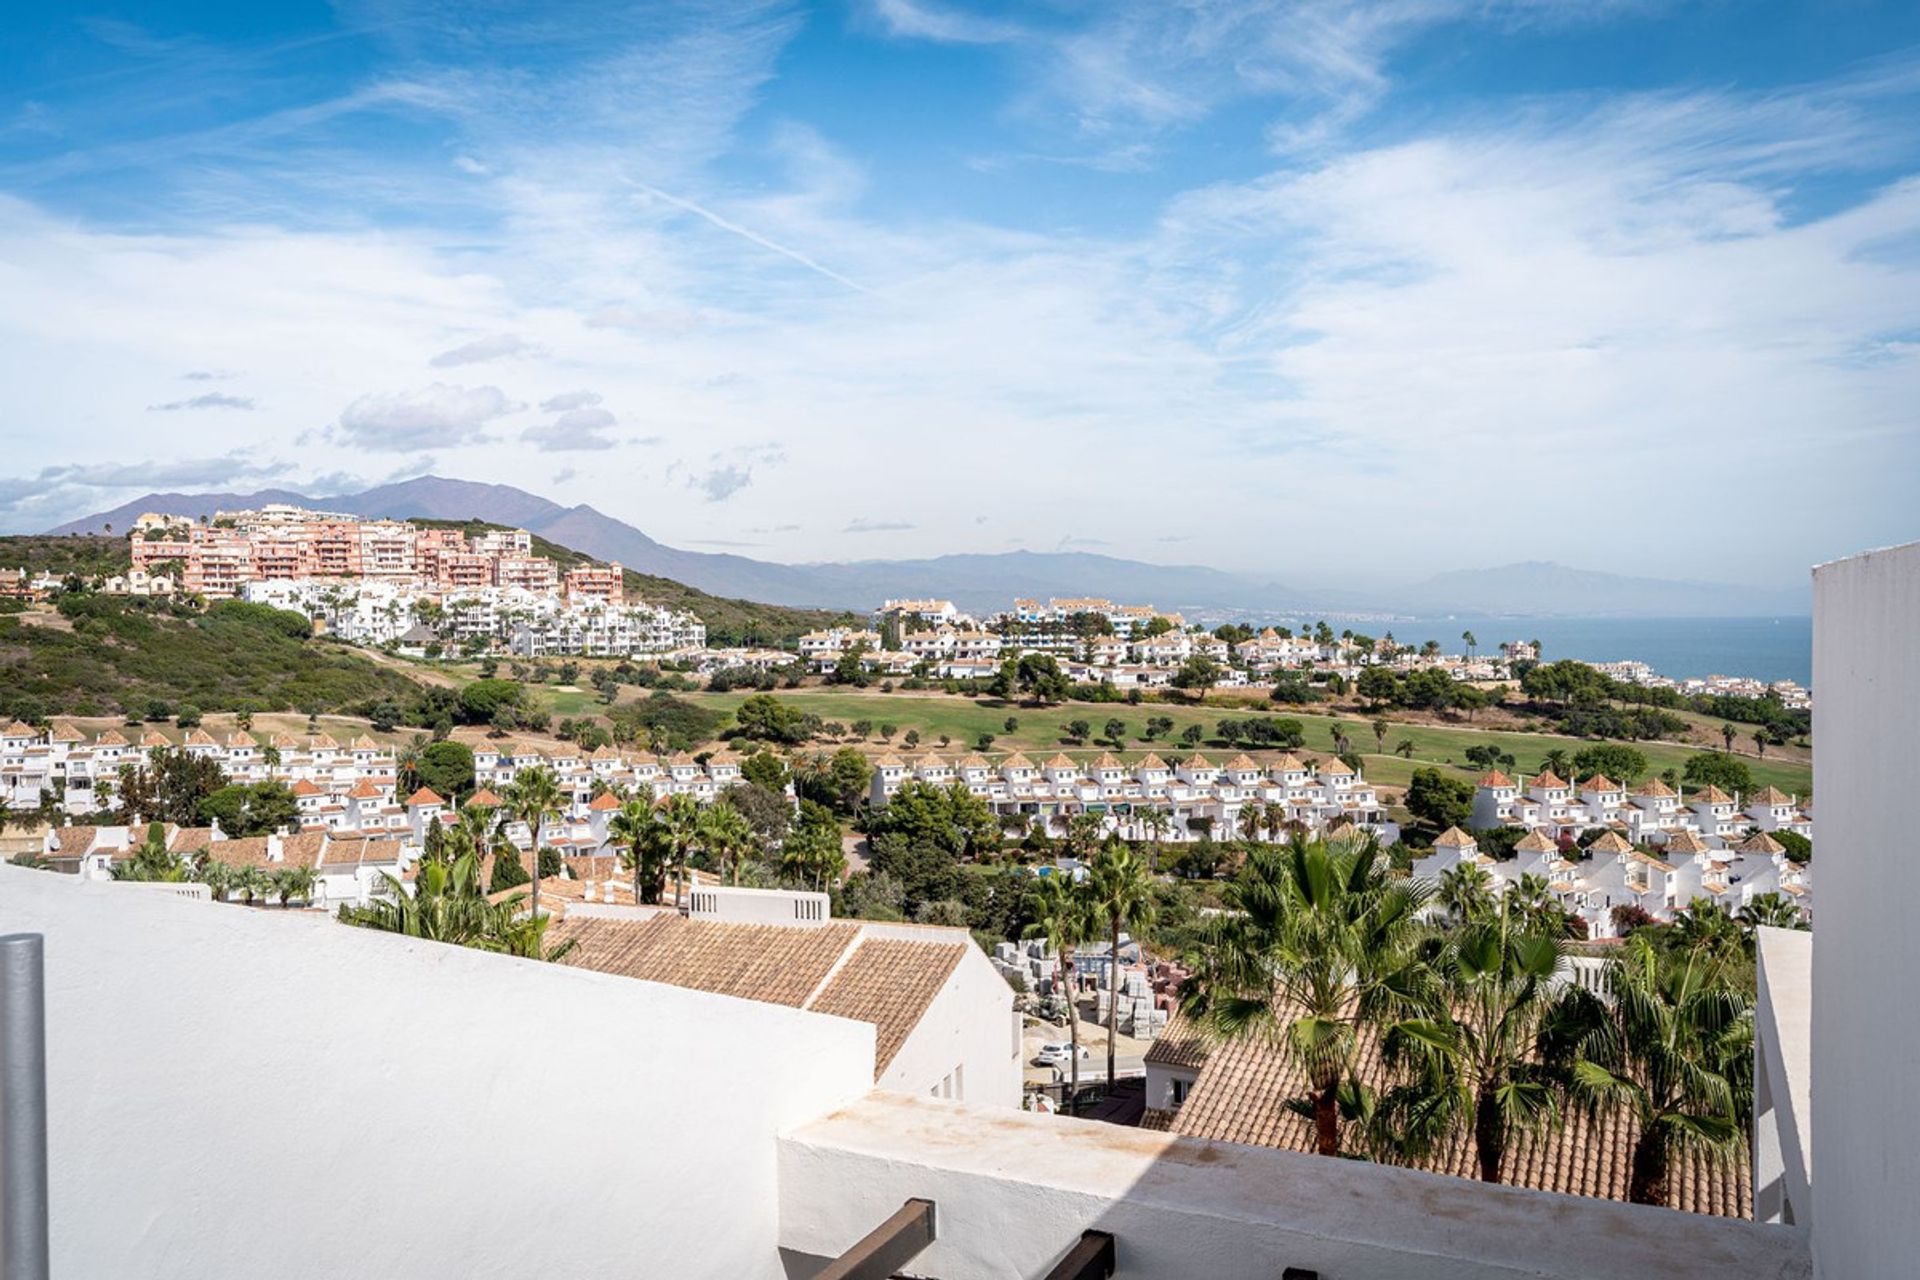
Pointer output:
1317, 939
218, 877
680, 826
726, 837
1727, 734
1061, 916
252, 884
1155, 821
1471, 640
1556, 762
448, 904
292, 882
1380, 726
1474, 1053
152, 861
1772, 910
1466, 891
533, 797
1083, 833
1404, 748
407, 763
1674, 1049
635, 827
1120, 887
1760, 742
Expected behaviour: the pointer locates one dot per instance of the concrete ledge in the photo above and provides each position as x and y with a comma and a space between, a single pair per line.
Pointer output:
1015, 1190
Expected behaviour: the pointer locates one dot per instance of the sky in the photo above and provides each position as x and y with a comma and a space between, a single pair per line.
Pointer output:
1334, 290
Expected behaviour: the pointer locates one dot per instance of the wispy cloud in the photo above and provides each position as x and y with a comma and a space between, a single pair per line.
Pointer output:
721, 483
211, 400
863, 524
494, 347
576, 429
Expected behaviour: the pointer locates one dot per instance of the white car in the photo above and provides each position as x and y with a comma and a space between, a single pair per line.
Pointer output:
1059, 1053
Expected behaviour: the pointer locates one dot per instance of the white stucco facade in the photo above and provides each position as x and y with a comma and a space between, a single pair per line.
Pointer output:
238, 1094
1865, 1022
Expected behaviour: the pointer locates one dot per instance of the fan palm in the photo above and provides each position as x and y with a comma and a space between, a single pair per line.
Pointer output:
152, 861
727, 838
635, 828
1772, 910
1466, 891
1474, 1053
1674, 1050
1317, 940
680, 828
1061, 916
534, 797
1119, 887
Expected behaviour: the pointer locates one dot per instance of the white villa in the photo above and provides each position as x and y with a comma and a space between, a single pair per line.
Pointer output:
1241, 799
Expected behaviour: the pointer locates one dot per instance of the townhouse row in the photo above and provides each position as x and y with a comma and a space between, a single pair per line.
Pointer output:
1150, 800
1650, 813
1726, 872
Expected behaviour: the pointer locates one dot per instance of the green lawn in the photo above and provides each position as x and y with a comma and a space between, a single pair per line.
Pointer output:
964, 719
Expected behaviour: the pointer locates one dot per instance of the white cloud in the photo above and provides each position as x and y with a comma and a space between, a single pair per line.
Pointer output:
576, 429
569, 400
436, 416
211, 400
494, 347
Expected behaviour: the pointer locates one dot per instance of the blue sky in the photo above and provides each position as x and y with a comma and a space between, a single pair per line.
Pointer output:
1336, 291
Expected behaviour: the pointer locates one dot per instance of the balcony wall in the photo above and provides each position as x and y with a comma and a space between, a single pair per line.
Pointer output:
1013, 1191
238, 1093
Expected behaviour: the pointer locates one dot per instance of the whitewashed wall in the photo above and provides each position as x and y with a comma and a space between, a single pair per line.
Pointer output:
971, 1023
1013, 1191
1866, 948
238, 1094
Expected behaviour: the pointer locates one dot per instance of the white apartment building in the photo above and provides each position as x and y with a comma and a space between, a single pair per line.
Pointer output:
601, 629
1649, 813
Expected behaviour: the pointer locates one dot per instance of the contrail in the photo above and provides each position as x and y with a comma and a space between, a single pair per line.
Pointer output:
754, 236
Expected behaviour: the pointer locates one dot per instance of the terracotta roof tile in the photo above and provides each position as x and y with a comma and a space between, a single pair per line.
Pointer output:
770, 963
889, 982
1243, 1090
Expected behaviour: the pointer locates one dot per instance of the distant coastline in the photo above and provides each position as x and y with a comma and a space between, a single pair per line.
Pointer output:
1763, 648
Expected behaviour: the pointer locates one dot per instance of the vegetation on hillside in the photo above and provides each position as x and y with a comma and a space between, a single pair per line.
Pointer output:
108, 655
86, 555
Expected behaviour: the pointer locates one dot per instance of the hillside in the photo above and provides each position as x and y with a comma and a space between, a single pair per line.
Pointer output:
729, 622
108, 655
88, 555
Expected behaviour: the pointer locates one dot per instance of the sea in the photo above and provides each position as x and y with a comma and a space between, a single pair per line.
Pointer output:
1763, 648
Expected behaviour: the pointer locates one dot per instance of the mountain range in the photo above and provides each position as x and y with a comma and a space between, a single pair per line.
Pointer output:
984, 583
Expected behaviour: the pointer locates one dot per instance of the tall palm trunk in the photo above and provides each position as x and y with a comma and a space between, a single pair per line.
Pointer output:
1073, 1033
636, 875
536, 869
1489, 1135
1326, 1117
1113, 999
1648, 1183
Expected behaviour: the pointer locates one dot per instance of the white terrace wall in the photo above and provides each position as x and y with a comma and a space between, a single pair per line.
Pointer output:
1866, 1033
240, 1093
1013, 1191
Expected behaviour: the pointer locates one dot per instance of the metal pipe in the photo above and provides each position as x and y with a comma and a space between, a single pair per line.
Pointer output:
23, 1108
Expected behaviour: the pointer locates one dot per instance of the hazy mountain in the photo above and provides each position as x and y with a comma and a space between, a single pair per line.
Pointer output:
983, 583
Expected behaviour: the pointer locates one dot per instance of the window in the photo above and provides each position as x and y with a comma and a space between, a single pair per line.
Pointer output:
1180, 1090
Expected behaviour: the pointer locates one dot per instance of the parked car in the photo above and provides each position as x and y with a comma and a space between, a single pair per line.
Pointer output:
1059, 1053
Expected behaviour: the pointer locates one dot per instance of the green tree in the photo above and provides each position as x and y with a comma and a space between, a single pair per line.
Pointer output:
1716, 769
1062, 915
725, 836
447, 768
1621, 763
1317, 940
1379, 686
151, 860
534, 797
636, 831
1673, 1049
1439, 801
252, 809
1474, 1053
1119, 889
1197, 674
765, 717
680, 832
1381, 726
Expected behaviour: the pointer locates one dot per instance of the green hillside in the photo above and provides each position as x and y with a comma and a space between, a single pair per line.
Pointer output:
109, 655
86, 554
